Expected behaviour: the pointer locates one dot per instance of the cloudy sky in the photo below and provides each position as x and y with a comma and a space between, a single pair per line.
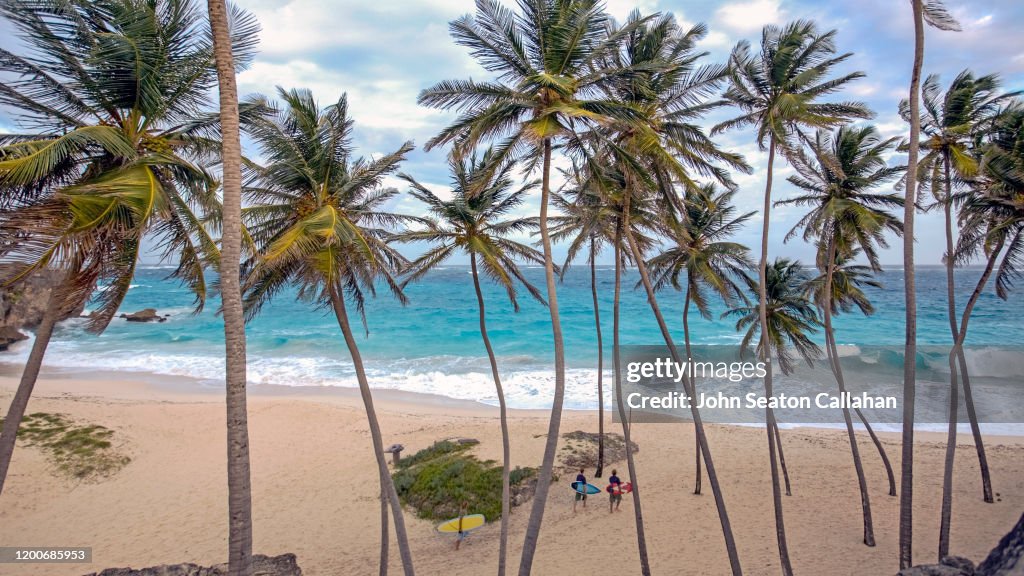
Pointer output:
383, 52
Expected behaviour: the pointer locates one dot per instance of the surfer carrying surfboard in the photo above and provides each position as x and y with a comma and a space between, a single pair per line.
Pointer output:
581, 480
614, 492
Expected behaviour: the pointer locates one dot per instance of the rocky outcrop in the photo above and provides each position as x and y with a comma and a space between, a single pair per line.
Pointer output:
283, 565
1006, 559
950, 566
23, 304
145, 315
9, 335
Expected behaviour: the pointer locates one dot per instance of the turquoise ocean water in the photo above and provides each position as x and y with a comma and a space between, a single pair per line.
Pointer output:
433, 345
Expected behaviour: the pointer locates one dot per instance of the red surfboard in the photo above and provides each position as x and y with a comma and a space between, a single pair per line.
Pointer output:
624, 488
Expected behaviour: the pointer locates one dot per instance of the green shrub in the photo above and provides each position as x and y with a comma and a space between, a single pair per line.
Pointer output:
437, 480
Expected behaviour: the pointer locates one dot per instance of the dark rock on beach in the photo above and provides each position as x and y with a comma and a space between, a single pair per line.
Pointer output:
1006, 559
283, 565
950, 566
145, 315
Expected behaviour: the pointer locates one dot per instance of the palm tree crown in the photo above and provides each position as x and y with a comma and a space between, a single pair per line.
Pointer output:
117, 142
838, 179
548, 62
477, 219
954, 124
316, 212
702, 251
791, 315
992, 220
777, 90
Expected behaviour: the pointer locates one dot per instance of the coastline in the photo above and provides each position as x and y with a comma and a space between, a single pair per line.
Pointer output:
315, 490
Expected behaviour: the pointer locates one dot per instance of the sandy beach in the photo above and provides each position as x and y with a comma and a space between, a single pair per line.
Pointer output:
315, 489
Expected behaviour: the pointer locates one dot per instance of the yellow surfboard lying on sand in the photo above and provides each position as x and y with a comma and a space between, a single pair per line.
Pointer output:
470, 522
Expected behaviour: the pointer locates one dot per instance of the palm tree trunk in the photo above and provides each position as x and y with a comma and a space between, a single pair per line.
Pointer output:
770, 423
540, 498
693, 383
384, 539
961, 335
387, 485
881, 450
782, 458
906, 544
506, 456
954, 400
600, 361
19, 403
239, 470
965, 378
698, 423
638, 513
832, 351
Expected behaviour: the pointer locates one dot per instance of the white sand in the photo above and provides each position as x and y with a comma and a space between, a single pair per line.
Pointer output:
315, 489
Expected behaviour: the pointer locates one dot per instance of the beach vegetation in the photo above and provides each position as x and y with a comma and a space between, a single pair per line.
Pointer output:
438, 480
79, 452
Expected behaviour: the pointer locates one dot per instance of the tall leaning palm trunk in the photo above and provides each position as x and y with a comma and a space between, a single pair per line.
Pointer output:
28, 380
762, 312
832, 352
641, 535
946, 512
698, 423
387, 484
693, 382
239, 472
600, 359
554, 425
906, 537
506, 508
954, 354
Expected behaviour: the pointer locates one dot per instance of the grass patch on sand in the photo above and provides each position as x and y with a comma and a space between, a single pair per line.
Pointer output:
82, 452
435, 480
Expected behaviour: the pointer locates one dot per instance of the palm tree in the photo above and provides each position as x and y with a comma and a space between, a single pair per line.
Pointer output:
778, 92
838, 179
791, 316
547, 58
952, 123
934, 13
476, 220
316, 219
587, 224
848, 281
671, 92
110, 154
708, 260
239, 469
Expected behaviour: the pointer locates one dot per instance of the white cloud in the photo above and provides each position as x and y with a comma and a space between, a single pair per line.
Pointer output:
749, 16
377, 102
619, 9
